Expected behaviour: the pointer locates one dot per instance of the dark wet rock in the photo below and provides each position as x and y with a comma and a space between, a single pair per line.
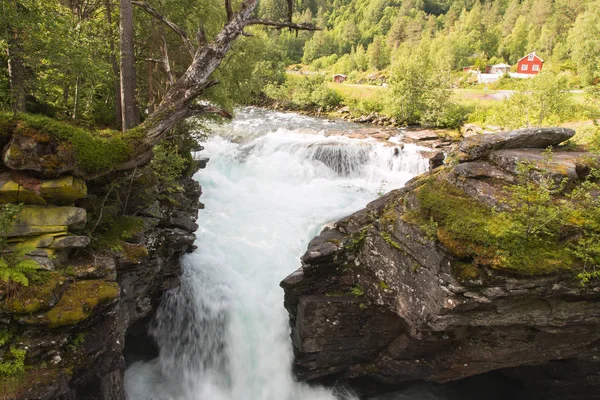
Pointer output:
69, 242
437, 160
478, 146
482, 169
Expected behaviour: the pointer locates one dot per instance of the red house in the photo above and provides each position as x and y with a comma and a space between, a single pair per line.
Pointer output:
339, 78
530, 64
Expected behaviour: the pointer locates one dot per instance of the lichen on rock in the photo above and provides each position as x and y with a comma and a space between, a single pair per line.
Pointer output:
80, 301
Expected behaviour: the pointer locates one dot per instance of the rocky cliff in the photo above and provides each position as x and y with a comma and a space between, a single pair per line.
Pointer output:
106, 252
469, 269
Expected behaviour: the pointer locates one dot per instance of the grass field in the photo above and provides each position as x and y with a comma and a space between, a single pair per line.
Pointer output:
359, 92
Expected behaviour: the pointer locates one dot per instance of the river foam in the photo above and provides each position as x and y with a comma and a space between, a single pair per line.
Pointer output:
273, 181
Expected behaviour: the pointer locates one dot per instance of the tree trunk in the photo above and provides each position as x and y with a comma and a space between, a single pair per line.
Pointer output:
115, 65
16, 72
129, 114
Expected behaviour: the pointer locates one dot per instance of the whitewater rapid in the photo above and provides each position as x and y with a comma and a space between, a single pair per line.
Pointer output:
273, 181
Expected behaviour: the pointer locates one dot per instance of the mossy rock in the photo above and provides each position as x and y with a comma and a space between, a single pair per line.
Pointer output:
12, 192
473, 232
34, 220
52, 147
64, 190
40, 295
61, 191
80, 301
465, 271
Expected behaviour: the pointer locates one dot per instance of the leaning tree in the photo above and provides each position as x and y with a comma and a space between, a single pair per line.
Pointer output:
182, 100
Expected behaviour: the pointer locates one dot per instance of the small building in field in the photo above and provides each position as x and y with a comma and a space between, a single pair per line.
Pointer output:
500, 69
531, 64
339, 78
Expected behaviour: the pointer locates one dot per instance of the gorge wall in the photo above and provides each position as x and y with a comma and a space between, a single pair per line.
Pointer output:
414, 288
107, 249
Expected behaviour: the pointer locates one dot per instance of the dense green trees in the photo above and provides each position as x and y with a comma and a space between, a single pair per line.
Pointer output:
62, 57
563, 32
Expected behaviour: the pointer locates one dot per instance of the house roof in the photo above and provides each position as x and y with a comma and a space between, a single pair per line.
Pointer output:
501, 66
527, 55
342, 75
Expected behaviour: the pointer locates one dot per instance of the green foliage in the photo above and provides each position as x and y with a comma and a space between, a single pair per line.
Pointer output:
357, 291
14, 265
13, 366
545, 227
388, 239
77, 340
421, 94
535, 214
586, 276
584, 43
112, 230
8, 216
168, 165
309, 92
5, 336
540, 101
357, 239
383, 285
430, 228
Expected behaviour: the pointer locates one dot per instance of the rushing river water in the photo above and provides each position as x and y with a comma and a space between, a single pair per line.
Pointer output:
273, 181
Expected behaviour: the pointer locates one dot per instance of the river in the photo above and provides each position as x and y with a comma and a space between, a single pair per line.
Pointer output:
273, 181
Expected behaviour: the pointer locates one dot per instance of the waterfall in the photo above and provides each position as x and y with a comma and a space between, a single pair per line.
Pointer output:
273, 181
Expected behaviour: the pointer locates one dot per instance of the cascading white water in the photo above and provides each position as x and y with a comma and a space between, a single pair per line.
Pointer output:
270, 186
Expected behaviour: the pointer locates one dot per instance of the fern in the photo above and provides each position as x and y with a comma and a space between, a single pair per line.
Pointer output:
14, 366
15, 266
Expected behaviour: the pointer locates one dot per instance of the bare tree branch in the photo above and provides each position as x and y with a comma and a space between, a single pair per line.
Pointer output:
284, 24
153, 12
166, 62
199, 109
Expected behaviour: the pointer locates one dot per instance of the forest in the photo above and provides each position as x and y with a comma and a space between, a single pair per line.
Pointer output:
62, 57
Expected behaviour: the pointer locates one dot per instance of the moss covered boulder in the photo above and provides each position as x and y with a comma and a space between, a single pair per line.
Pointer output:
51, 148
79, 302
35, 220
40, 295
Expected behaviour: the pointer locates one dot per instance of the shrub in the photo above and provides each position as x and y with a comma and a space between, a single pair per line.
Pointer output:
305, 92
14, 265
14, 366
419, 94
